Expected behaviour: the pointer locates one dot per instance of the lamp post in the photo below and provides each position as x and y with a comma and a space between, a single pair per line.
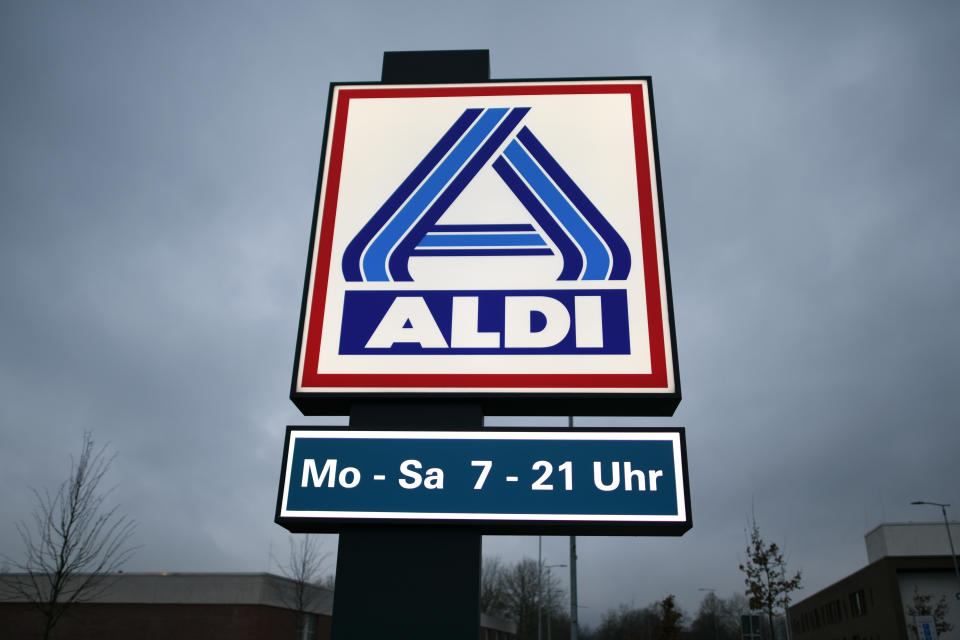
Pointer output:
716, 627
946, 523
539, 574
549, 602
574, 624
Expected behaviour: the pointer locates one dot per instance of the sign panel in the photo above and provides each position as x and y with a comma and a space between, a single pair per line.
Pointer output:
500, 240
750, 627
926, 627
585, 482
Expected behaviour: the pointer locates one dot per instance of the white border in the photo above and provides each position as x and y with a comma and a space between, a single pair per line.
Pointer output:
647, 436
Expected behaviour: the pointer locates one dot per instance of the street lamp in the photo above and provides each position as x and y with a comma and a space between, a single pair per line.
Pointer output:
550, 602
539, 580
573, 584
716, 627
946, 522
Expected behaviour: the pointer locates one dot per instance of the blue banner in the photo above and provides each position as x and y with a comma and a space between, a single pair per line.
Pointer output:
571, 476
485, 322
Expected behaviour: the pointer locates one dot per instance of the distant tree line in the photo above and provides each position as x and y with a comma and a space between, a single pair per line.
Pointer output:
511, 592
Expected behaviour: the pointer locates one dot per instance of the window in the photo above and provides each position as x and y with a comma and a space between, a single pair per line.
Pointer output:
858, 604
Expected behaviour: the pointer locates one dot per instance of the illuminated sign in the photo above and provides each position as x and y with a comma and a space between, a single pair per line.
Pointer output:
619, 482
500, 241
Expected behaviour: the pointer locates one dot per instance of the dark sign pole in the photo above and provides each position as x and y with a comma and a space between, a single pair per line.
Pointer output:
411, 581
416, 582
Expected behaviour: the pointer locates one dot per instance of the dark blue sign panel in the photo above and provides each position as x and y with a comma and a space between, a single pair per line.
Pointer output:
578, 481
500, 322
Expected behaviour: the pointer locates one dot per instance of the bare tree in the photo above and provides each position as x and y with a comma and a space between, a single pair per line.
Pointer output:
521, 597
718, 618
510, 591
706, 624
768, 586
303, 566
73, 540
493, 587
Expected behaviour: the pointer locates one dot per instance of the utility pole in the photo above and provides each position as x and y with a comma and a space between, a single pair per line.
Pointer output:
573, 588
539, 573
574, 625
946, 523
550, 597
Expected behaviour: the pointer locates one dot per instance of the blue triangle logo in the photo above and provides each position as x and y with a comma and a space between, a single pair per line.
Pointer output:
406, 225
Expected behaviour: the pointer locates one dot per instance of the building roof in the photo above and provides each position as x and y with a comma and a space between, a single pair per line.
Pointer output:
489, 621
204, 588
910, 539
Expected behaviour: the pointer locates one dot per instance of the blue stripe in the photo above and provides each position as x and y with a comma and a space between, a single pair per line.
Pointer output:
483, 252
619, 251
572, 260
597, 259
354, 250
399, 258
375, 260
482, 240
483, 227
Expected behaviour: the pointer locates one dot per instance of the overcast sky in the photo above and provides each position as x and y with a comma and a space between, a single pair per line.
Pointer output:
158, 164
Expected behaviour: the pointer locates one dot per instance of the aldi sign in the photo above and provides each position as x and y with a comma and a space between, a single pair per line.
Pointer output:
500, 241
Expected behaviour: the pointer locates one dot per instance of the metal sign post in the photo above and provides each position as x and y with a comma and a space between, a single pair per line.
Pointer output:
412, 581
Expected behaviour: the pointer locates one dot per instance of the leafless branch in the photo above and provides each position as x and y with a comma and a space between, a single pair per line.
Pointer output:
303, 567
72, 540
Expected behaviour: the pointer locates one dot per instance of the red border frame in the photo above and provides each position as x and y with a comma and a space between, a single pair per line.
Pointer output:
312, 337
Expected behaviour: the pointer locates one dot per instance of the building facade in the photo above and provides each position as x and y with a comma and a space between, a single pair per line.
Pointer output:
904, 561
151, 606
199, 606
